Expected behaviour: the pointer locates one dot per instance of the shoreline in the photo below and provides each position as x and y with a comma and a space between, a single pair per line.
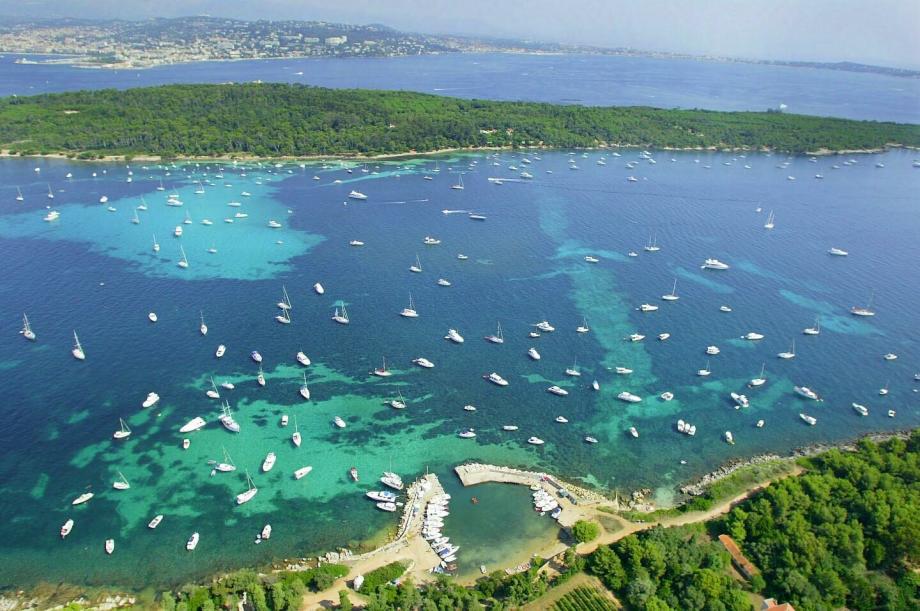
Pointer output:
404, 547
244, 158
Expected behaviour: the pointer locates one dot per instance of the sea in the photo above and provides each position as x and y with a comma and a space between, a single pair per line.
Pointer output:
595, 80
94, 271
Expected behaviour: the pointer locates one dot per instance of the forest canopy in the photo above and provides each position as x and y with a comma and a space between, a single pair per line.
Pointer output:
275, 120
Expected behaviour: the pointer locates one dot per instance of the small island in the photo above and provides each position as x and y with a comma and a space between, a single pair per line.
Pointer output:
261, 120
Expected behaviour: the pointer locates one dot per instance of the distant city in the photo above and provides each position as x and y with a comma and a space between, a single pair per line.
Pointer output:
154, 42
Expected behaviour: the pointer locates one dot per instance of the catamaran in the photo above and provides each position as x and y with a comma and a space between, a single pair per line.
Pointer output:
27, 331
77, 350
123, 432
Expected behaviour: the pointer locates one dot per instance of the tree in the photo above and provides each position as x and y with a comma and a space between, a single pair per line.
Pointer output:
344, 601
585, 531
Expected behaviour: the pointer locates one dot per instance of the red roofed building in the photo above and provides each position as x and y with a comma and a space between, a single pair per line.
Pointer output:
770, 604
744, 566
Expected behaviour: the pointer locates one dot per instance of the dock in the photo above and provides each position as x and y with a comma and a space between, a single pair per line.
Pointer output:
476, 473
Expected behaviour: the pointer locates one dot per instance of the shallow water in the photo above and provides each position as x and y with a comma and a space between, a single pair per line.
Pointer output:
95, 271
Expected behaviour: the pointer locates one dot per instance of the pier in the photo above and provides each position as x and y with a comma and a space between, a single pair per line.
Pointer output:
477, 473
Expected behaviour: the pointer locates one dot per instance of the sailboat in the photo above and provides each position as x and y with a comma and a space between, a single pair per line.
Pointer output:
417, 268
122, 483
77, 351
245, 497
19, 196
341, 316
136, 219
573, 370
383, 372
790, 354
815, 330
652, 245
50, 192
156, 245
212, 393
261, 377
410, 311
226, 419
672, 296
226, 466
583, 327
770, 221
399, 402
866, 311
284, 318
498, 338
123, 432
161, 187
459, 185
202, 328
183, 261
296, 436
304, 390
27, 331
759, 380
704, 372
285, 303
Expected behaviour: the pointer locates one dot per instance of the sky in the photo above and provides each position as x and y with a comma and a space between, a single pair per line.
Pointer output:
885, 32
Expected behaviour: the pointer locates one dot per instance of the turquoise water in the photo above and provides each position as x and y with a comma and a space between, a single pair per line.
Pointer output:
95, 271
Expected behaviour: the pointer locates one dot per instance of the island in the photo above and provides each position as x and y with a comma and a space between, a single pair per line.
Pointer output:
263, 120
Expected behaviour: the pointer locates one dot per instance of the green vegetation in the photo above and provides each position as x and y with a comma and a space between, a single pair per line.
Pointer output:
845, 534
584, 598
585, 531
278, 592
669, 568
382, 576
295, 120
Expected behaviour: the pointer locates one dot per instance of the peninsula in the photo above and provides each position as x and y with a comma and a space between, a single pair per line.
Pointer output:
283, 120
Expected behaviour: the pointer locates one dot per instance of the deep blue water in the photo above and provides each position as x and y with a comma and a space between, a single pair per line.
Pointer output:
94, 271
591, 80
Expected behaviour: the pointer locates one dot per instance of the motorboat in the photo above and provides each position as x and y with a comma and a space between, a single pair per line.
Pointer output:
806, 392
454, 336
629, 397
740, 400
443, 282
623, 371
591, 440
509, 427
303, 359
633, 432
562, 420
862, 410
462, 257
469, 408
430, 241
274, 224
532, 353
725, 308
357, 195
714, 264
663, 336
558, 391
192, 542
591, 259
752, 336
266, 533
712, 350
729, 438
255, 356
193, 425
666, 395
269, 462
302, 472
110, 546
155, 521
318, 288
636, 337
535, 441
496, 379
545, 327
423, 362
356, 243
891, 356
811, 420
647, 307
151, 400
338, 422
221, 350
595, 385
83, 498
838, 252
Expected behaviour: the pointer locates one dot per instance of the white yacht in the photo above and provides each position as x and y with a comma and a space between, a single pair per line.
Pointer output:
790, 354
806, 392
27, 331
357, 195
759, 380
864, 311
193, 425
532, 353
813, 330
123, 431
423, 362
269, 462
862, 410
591, 259
409, 312
545, 326
496, 379
498, 338
740, 400
454, 336
672, 296
663, 336
714, 264
303, 359
752, 336
341, 315
304, 389
811, 420
629, 397
837, 252
556, 390
712, 350
382, 371
245, 497
646, 307
77, 350
623, 371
